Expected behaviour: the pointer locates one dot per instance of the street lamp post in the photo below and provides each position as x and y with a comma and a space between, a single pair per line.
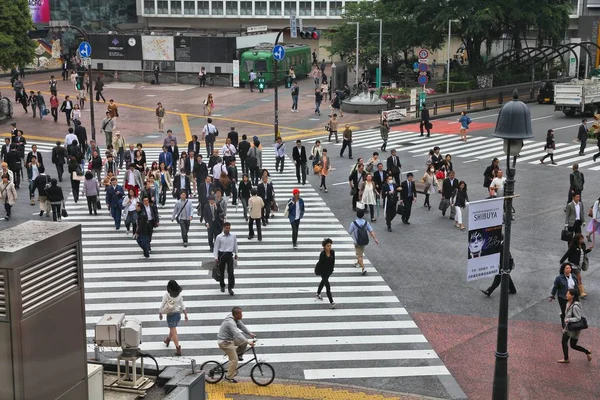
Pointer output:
450, 21
380, 42
513, 125
64, 25
357, 48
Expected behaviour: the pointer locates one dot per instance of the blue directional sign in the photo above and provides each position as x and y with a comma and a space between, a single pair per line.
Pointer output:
416, 65
278, 52
423, 79
85, 49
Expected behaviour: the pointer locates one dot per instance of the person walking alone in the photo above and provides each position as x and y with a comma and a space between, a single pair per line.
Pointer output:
347, 142
91, 190
582, 136
172, 306
431, 185
333, 127
325, 268
295, 212
226, 250
183, 213
8, 195
299, 157
318, 101
551, 146
464, 122
295, 92
325, 168
573, 315
384, 131
360, 230
459, 201
425, 121
255, 207
160, 116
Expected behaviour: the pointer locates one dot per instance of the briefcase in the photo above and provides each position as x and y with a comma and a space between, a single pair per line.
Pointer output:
215, 273
566, 235
400, 209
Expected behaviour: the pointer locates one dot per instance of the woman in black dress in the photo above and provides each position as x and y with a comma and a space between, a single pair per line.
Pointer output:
325, 268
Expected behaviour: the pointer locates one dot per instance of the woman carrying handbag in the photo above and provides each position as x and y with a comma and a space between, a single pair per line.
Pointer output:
575, 322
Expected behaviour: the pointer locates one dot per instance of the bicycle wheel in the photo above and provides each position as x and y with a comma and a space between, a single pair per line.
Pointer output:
213, 371
262, 374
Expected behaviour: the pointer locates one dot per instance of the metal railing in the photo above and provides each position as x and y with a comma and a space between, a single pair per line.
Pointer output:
184, 78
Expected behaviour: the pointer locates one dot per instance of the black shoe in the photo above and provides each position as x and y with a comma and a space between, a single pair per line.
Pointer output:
41, 213
513, 292
230, 292
594, 158
421, 135
222, 290
230, 380
428, 135
389, 229
443, 213
240, 358
486, 292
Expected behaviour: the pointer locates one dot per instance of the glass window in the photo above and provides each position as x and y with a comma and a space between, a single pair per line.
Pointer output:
149, 7
289, 7
217, 8
175, 7
320, 8
305, 8
163, 7
203, 8
249, 64
335, 8
189, 7
245, 8
260, 8
231, 8
260, 66
274, 8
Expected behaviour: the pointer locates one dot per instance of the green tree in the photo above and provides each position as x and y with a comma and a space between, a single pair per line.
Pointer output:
15, 23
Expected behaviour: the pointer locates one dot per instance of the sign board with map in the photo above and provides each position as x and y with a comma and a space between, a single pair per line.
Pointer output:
158, 48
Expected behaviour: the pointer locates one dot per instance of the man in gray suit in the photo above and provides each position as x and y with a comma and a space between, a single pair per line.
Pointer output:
575, 214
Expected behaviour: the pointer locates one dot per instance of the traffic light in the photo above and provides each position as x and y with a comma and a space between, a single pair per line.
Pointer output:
261, 84
313, 34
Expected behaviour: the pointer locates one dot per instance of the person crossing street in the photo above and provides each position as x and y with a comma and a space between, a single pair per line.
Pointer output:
183, 213
225, 251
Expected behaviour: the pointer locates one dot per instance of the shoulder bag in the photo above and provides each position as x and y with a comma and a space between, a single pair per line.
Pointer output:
180, 211
579, 325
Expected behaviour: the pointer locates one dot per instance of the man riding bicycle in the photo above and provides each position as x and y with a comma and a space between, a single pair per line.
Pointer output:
233, 342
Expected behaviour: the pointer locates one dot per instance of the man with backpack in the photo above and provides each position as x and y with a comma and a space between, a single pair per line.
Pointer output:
576, 182
360, 230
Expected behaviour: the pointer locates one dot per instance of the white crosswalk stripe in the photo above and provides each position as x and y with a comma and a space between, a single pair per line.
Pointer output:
476, 147
275, 285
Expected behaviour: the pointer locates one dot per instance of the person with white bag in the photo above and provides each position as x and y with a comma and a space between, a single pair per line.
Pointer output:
172, 305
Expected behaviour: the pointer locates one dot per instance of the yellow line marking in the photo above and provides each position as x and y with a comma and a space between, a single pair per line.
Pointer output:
44, 138
290, 391
25, 83
186, 127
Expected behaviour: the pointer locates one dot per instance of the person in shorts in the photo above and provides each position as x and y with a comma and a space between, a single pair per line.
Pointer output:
360, 230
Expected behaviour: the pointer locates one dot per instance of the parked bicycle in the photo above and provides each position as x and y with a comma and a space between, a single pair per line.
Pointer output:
262, 373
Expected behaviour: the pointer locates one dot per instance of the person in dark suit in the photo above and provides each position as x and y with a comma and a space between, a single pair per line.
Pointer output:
34, 153
59, 157
67, 108
167, 158
144, 230
114, 193
181, 182
408, 196
13, 159
205, 190
5, 149
194, 145
150, 209
299, 157
436, 158
174, 150
389, 192
379, 177
425, 121
65, 70
243, 148
394, 166
234, 137
448, 186
200, 170
355, 179
81, 134
213, 218
266, 192
582, 136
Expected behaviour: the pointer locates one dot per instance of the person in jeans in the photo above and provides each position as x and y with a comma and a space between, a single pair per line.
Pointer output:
91, 190
295, 92
183, 213
325, 267
129, 207
295, 208
8, 195
573, 314
255, 207
562, 283
232, 340
113, 194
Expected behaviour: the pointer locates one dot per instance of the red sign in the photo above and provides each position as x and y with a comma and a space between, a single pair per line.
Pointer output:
40, 11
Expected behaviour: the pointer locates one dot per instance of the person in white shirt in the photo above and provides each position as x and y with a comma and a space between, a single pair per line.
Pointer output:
225, 251
279, 154
228, 151
172, 305
218, 169
497, 185
70, 137
209, 134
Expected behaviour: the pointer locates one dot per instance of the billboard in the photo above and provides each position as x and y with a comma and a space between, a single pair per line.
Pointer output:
158, 48
485, 238
116, 47
40, 11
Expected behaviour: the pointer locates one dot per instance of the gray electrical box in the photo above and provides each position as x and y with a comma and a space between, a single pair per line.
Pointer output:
43, 352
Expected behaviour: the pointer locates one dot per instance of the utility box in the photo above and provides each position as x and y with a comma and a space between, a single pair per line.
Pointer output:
43, 353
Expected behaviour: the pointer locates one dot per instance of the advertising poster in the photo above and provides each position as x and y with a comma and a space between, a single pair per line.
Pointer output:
40, 11
485, 238
236, 73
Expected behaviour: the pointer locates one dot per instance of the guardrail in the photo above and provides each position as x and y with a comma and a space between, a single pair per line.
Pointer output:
185, 78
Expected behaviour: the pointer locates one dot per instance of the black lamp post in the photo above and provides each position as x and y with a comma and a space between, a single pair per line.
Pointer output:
513, 125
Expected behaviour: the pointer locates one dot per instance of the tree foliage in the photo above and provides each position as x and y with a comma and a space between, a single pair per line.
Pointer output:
15, 23
424, 23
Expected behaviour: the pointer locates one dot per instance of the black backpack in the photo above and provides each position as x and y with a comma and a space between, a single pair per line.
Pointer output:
362, 234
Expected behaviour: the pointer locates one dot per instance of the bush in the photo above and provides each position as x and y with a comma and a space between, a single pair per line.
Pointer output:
456, 86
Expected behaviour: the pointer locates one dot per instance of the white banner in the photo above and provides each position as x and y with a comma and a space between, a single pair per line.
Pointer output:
236, 73
485, 238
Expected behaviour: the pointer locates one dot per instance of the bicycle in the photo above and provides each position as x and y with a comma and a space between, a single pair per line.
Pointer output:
262, 373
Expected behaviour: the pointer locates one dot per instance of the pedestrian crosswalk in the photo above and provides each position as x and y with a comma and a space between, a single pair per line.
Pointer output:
475, 148
369, 335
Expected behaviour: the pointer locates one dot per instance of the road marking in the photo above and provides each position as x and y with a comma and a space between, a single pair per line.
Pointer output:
339, 183
482, 117
565, 127
547, 116
336, 373
153, 95
186, 127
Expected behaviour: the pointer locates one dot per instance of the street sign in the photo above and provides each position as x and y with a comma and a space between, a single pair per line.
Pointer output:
416, 65
85, 49
86, 61
423, 67
293, 27
255, 29
423, 79
300, 24
423, 53
278, 52
424, 60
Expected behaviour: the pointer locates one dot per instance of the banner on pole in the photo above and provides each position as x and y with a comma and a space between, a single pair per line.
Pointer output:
236, 73
485, 238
